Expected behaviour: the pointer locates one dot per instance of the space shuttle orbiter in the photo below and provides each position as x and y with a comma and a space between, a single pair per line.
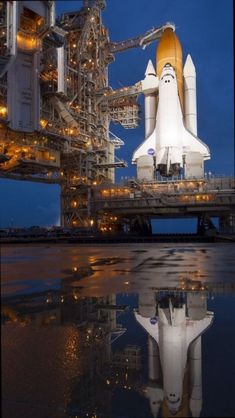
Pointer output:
176, 335
171, 143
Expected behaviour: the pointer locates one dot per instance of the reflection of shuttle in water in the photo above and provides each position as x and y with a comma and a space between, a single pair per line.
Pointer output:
177, 330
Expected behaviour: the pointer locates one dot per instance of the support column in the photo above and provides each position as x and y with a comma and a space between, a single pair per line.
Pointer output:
205, 225
227, 224
62, 222
141, 225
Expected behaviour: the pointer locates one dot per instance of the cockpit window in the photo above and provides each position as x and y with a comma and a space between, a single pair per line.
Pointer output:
168, 75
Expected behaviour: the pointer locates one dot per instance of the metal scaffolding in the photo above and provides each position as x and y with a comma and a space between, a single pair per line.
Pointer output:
55, 102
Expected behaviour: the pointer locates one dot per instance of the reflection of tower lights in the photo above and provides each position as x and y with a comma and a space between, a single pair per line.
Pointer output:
3, 111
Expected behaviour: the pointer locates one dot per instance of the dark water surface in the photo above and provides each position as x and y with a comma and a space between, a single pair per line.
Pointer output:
118, 331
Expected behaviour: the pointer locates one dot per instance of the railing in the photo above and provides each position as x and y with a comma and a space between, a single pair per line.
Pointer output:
197, 189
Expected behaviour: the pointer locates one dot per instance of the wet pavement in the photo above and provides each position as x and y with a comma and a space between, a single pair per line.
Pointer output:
127, 330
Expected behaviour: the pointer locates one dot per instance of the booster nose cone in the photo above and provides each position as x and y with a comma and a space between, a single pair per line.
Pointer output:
150, 70
169, 51
189, 68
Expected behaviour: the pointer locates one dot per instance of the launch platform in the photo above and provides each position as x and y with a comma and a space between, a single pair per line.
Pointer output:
139, 202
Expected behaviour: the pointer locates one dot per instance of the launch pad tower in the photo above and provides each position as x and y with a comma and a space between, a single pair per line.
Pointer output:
55, 101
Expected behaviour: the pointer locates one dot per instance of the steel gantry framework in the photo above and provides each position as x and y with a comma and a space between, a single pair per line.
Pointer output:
55, 101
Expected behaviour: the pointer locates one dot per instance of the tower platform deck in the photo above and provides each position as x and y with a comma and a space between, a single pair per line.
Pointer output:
176, 198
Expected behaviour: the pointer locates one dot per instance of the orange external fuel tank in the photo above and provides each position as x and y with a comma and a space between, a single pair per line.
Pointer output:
169, 51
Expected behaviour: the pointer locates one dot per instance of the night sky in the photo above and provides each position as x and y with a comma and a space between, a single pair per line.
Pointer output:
205, 29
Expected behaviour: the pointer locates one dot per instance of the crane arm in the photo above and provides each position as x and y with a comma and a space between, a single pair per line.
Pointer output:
141, 40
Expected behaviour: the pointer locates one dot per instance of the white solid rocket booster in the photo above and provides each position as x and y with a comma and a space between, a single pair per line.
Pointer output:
190, 96
150, 100
153, 391
145, 164
195, 364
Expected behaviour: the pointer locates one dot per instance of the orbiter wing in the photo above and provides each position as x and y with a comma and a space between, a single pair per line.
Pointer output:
192, 143
143, 149
152, 329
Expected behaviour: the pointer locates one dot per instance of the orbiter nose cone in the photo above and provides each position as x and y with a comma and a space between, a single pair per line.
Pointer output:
173, 405
174, 409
